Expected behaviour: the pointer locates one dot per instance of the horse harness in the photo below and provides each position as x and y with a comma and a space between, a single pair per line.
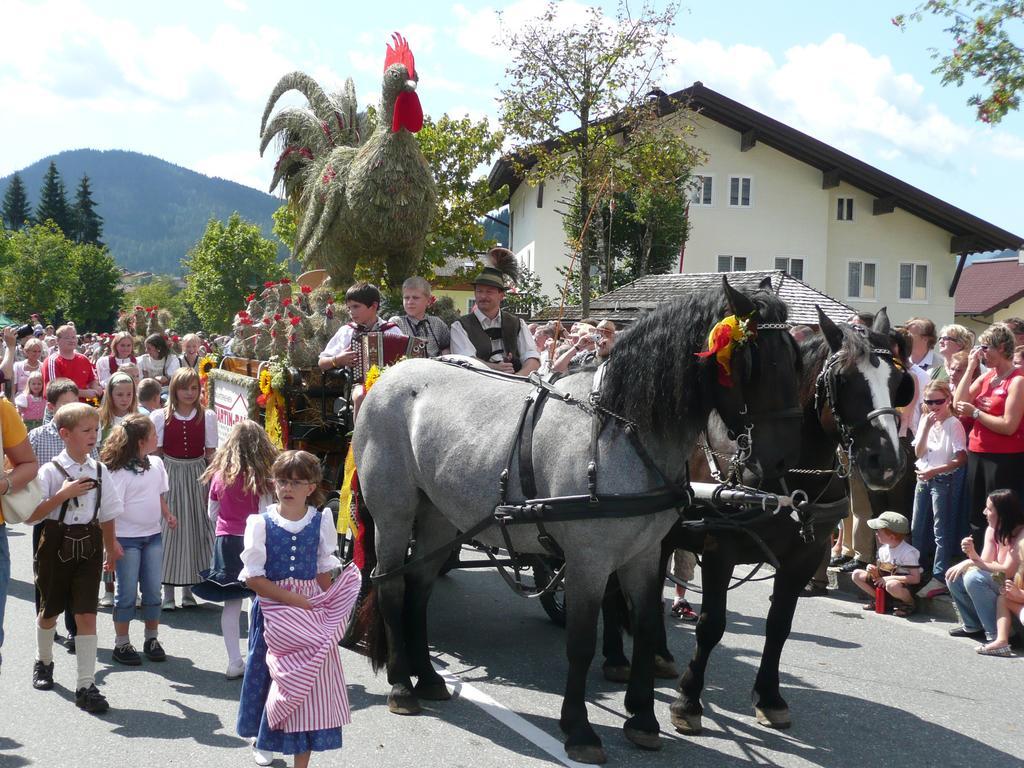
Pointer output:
672, 494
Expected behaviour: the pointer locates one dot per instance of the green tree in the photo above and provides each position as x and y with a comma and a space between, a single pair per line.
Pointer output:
231, 259
285, 225
161, 291
36, 273
578, 110
455, 148
526, 298
94, 290
53, 201
984, 46
16, 212
87, 225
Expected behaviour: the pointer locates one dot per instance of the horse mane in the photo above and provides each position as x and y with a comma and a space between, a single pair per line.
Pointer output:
654, 377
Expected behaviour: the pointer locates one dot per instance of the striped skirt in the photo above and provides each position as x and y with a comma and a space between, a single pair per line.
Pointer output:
293, 695
187, 548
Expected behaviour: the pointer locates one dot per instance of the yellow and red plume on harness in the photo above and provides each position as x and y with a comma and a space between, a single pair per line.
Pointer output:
727, 334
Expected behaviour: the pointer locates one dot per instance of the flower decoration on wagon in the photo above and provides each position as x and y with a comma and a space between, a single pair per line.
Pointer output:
726, 336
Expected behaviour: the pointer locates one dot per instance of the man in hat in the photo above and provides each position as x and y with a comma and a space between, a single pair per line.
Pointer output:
500, 339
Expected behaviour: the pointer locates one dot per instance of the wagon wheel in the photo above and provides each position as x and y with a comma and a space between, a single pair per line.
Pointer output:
553, 602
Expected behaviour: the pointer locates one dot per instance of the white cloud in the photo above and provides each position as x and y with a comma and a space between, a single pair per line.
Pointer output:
837, 91
246, 168
236, 5
1007, 145
481, 30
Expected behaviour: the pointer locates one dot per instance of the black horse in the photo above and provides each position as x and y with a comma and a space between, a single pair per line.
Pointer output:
850, 385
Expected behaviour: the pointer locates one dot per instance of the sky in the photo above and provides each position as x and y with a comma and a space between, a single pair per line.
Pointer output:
187, 82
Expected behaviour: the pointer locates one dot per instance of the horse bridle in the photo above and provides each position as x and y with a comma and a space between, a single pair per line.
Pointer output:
745, 439
825, 389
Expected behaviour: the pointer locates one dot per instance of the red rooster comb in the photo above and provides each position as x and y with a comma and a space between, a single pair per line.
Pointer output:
400, 54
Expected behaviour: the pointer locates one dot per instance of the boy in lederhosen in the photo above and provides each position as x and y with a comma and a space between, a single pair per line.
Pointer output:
77, 512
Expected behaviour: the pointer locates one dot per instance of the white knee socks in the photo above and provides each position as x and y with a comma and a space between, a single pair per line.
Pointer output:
85, 657
229, 619
44, 643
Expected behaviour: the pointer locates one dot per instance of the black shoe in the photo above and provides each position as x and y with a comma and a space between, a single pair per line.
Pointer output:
69, 644
853, 565
42, 676
954, 632
814, 589
838, 560
127, 655
153, 650
91, 700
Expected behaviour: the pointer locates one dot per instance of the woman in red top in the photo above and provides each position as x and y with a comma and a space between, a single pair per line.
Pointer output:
995, 447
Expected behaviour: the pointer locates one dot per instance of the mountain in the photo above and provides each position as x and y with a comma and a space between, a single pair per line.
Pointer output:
153, 211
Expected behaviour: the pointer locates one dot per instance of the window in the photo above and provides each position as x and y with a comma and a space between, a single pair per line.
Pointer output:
732, 263
844, 209
913, 282
792, 266
702, 190
739, 191
861, 280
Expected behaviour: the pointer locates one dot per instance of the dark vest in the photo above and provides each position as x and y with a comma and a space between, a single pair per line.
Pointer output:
481, 339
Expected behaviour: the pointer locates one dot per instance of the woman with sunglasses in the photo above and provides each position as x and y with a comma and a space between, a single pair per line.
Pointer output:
941, 449
995, 400
952, 339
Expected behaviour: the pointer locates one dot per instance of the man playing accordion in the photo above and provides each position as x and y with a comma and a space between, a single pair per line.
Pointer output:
362, 301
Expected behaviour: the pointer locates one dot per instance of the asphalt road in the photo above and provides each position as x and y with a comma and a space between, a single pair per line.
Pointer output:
865, 690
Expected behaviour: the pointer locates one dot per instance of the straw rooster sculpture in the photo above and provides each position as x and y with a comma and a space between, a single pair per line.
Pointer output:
362, 197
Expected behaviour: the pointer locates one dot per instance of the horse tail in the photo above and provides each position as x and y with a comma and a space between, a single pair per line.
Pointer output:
369, 630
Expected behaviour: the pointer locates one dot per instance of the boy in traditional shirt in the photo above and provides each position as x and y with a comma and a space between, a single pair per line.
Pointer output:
416, 297
77, 513
898, 566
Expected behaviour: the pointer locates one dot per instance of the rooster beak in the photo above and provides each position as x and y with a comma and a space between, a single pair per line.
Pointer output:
410, 85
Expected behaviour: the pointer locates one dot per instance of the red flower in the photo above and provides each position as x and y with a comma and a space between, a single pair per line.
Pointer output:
285, 280
296, 321
261, 401
330, 299
250, 297
267, 321
306, 289
175, 337
273, 334
286, 303
269, 284
277, 316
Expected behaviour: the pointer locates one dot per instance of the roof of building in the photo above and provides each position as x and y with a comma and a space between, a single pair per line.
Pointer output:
988, 285
626, 304
970, 233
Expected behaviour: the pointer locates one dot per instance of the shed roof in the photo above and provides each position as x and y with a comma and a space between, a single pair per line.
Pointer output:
626, 304
988, 285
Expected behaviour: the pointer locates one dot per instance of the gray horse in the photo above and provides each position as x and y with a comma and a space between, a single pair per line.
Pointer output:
432, 440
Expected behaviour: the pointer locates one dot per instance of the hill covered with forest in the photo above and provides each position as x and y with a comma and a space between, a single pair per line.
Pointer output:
153, 211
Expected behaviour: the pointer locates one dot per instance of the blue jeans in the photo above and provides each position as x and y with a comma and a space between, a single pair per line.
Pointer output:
936, 528
5, 577
975, 596
139, 567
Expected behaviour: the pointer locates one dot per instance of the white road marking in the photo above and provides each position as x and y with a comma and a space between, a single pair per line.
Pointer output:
509, 719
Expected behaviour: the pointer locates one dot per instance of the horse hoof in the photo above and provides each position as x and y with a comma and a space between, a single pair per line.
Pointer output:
664, 669
432, 691
587, 753
643, 739
687, 724
404, 705
773, 718
616, 674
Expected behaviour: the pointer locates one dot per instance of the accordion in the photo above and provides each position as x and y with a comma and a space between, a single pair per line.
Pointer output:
376, 348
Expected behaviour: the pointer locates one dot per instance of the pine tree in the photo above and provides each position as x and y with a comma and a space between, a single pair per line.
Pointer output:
53, 201
86, 224
16, 212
